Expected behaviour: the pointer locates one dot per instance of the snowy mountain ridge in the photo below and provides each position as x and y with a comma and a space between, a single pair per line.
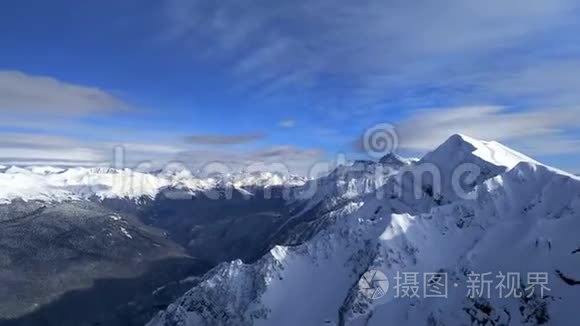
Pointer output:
521, 217
48, 183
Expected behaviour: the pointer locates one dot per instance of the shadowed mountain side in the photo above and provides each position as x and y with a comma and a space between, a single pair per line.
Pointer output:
215, 229
49, 249
118, 301
117, 261
102, 262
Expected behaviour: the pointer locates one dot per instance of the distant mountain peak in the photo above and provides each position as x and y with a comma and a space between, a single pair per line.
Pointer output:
48, 183
394, 160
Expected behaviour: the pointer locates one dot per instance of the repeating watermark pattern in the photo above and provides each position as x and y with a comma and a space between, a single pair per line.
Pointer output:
412, 180
435, 285
380, 140
407, 285
374, 285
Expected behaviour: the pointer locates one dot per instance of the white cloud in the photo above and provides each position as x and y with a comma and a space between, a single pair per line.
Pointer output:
287, 123
296, 160
371, 47
11, 140
34, 149
21, 93
537, 132
221, 140
51, 154
39, 147
543, 83
148, 148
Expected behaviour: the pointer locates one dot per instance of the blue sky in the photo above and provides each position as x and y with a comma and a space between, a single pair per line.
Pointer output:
289, 81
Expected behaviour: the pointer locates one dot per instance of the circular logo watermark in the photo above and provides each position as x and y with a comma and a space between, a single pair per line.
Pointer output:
380, 140
373, 284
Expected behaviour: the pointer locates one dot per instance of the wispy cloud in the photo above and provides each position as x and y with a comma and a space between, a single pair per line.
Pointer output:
207, 139
360, 53
21, 93
295, 160
49, 155
46, 148
50, 148
549, 82
287, 123
10, 140
536, 132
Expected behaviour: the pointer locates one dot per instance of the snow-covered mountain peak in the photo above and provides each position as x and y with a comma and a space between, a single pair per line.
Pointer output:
16, 170
394, 160
264, 179
353, 168
523, 219
389, 163
460, 148
57, 184
45, 169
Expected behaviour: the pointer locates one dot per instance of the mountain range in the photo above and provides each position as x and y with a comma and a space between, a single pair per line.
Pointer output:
102, 246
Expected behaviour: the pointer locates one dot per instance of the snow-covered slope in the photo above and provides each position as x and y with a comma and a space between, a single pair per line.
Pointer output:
395, 161
55, 184
464, 149
350, 181
520, 217
462, 162
316, 203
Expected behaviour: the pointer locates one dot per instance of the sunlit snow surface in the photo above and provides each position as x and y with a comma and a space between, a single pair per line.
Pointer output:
56, 184
524, 217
